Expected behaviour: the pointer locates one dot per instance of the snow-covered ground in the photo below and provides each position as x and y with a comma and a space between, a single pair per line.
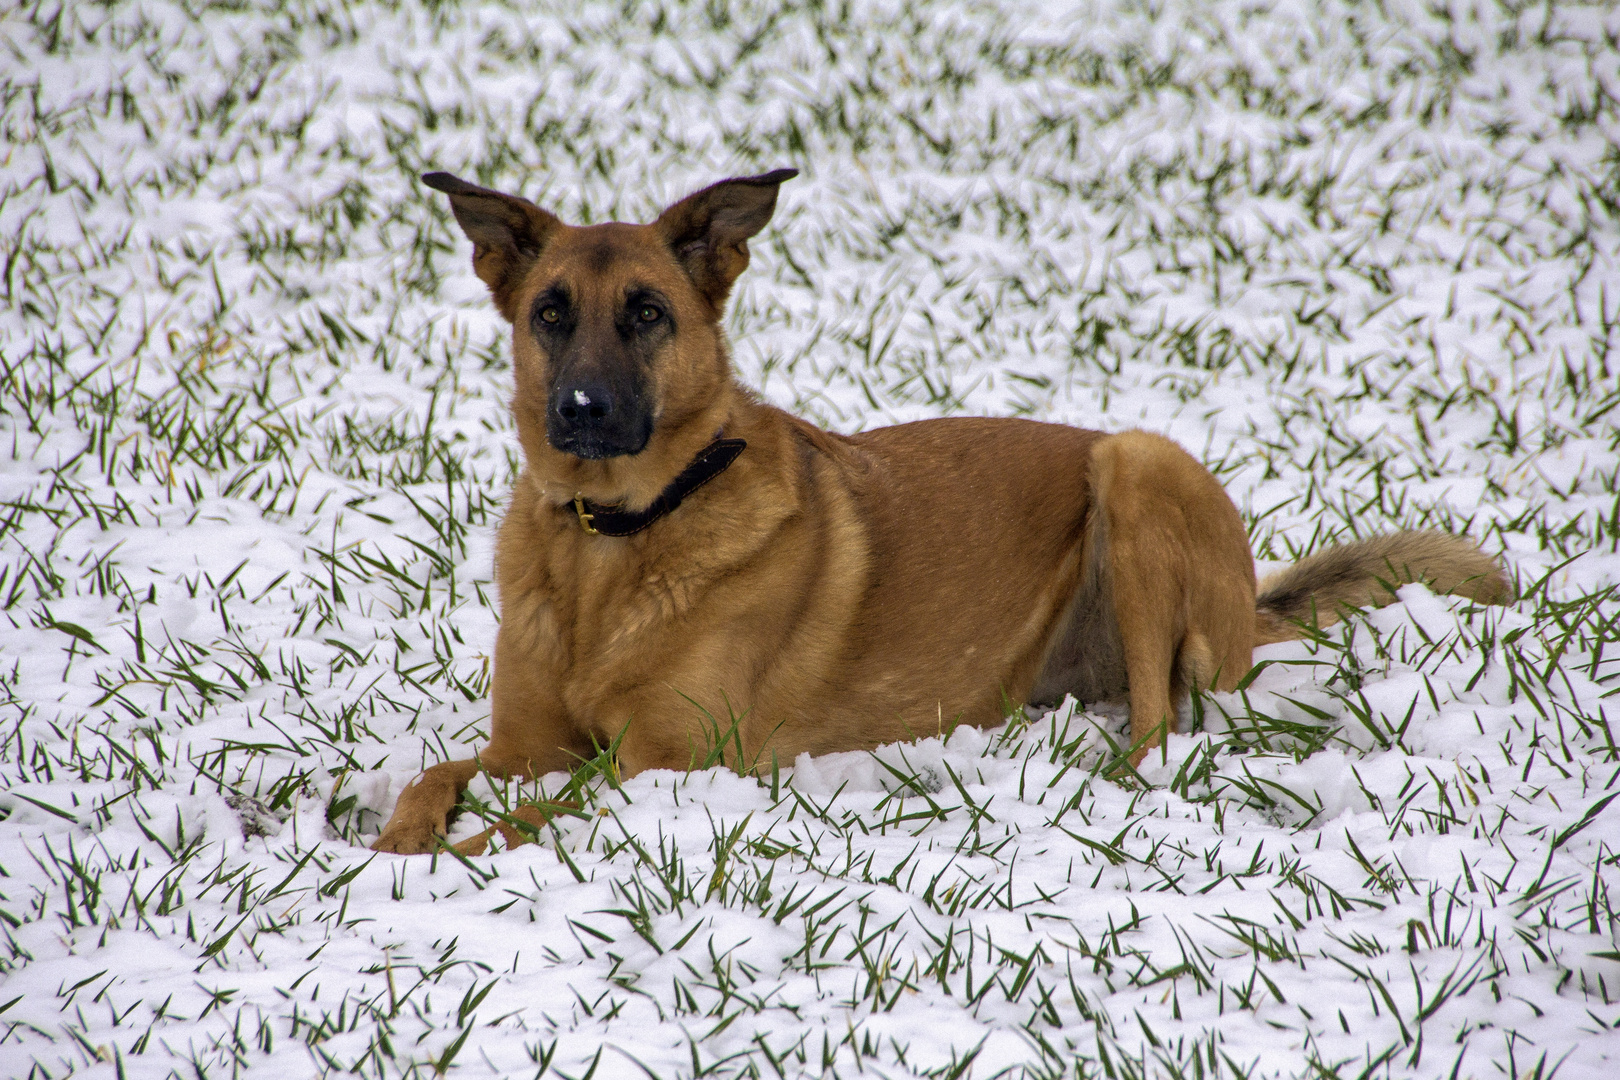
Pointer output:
1360, 257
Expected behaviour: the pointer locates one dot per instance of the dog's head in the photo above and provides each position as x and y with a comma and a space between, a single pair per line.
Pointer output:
616, 327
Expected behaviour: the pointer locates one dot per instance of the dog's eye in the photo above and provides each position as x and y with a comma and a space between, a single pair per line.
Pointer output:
550, 315
649, 314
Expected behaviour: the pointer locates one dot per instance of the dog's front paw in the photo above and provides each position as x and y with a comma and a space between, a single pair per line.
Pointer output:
417, 837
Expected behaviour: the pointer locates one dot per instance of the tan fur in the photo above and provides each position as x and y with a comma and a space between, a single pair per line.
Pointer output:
832, 592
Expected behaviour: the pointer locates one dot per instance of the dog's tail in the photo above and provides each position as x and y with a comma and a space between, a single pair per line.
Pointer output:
1366, 573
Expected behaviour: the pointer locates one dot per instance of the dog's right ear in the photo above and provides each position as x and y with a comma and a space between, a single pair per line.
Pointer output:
507, 234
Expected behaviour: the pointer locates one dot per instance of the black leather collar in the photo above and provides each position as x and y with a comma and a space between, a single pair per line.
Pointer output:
710, 462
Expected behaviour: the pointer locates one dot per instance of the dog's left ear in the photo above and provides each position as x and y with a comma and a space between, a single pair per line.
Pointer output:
709, 231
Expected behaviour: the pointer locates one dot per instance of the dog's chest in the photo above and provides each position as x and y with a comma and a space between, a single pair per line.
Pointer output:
609, 595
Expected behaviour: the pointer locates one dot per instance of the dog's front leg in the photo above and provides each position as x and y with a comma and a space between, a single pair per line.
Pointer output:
530, 735
420, 815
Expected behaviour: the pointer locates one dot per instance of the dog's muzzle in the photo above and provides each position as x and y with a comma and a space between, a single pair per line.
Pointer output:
588, 419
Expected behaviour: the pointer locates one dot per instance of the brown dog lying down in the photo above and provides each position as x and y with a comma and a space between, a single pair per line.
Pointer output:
681, 562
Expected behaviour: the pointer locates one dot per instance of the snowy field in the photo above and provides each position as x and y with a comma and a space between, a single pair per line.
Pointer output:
1363, 258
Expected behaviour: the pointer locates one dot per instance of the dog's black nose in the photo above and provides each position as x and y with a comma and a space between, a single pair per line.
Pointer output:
585, 406
592, 420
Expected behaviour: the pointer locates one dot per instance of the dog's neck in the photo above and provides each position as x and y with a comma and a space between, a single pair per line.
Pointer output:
709, 463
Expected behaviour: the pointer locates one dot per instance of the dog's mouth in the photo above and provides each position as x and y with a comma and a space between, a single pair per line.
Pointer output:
593, 448
595, 444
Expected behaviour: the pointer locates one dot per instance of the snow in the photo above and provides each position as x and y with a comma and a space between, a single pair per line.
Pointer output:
1363, 260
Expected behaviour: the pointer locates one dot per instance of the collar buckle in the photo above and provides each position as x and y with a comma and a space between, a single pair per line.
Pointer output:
585, 518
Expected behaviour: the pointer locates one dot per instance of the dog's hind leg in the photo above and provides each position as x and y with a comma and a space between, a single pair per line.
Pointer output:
1179, 573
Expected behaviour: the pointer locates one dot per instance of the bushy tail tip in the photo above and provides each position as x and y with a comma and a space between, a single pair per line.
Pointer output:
1366, 573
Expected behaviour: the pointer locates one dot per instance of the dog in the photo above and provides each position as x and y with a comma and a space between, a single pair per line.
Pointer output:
687, 574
